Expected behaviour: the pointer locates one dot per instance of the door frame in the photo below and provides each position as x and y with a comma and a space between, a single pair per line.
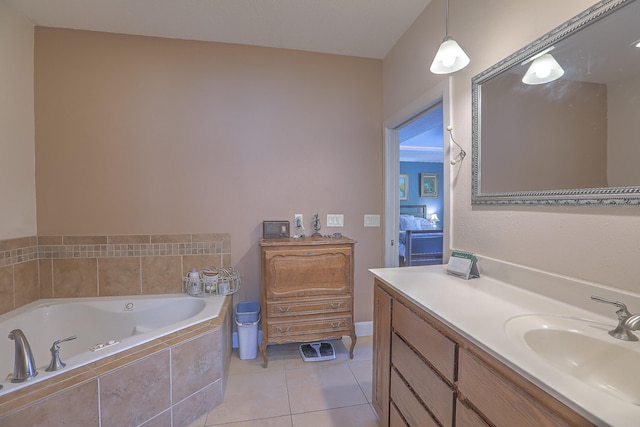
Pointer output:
391, 169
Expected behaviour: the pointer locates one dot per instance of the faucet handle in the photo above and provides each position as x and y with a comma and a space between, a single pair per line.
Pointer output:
620, 332
57, 364
56, 344
622, 308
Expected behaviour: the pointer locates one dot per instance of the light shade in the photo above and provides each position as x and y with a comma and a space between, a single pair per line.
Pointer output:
449, 58
543, 69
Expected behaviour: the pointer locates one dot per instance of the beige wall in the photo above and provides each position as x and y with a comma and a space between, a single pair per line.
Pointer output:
598, 244
141, 135
17, 158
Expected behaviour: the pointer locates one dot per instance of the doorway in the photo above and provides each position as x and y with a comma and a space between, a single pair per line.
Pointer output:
421, 150
429, 115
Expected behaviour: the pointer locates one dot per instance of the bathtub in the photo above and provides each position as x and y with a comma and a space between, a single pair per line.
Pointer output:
103, 326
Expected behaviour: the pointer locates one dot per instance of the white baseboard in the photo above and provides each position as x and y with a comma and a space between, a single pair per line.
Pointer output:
363, 329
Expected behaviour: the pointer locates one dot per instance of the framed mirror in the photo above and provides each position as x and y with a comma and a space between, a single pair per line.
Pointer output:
558, 122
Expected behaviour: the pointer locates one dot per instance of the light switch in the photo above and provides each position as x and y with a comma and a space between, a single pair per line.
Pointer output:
372, 220
335, 220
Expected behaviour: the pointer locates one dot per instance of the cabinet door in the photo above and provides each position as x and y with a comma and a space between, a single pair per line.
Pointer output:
381, 353
307, 271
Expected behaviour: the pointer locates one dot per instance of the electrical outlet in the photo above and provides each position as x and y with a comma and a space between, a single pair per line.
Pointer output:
297, 220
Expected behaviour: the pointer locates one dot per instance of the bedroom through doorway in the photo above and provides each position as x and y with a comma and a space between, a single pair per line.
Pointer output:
421, 188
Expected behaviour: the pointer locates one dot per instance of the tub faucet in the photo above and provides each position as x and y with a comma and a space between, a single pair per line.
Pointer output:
623, 330
24, 366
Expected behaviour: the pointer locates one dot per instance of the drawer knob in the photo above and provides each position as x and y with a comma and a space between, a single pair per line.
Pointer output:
335, 325
284, 309
283, 330
334, 305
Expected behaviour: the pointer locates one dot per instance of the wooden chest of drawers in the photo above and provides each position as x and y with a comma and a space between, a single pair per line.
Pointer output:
307, 290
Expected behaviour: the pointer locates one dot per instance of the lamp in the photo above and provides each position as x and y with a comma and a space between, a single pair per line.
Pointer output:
543, 69
450, 56
433, 219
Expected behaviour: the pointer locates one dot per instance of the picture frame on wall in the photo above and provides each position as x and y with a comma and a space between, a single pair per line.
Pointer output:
404, 187
429, 185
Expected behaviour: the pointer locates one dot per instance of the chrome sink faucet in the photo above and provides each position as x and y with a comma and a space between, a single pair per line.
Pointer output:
633, 322
24, 366
626, 321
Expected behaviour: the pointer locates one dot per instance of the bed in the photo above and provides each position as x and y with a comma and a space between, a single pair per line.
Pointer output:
420, 241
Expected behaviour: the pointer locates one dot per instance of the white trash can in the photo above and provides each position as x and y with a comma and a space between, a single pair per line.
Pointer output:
247, 320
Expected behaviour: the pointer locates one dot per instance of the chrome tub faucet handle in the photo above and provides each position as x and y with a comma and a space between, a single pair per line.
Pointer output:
57, 364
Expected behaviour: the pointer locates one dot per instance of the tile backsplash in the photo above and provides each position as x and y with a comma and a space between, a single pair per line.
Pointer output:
83, 266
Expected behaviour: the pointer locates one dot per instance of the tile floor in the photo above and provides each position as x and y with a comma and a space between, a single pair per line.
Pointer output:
294, 393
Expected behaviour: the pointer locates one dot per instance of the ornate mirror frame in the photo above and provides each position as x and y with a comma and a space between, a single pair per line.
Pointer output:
609, 196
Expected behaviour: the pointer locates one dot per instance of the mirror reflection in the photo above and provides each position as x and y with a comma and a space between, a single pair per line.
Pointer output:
558, 121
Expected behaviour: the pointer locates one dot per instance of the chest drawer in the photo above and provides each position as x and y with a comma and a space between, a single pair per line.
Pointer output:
436, 394
309, 306
498, 399
439, 350
289, 327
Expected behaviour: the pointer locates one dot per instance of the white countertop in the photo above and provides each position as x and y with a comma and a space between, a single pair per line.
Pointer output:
479, 308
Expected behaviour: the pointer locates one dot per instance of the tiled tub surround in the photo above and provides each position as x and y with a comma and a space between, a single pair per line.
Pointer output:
179, 377
85, 266
128, 321
172, 380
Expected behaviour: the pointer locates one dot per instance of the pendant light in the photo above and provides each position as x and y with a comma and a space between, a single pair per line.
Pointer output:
450, 56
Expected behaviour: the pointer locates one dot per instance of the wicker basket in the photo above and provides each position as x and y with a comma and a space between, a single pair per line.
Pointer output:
213, 281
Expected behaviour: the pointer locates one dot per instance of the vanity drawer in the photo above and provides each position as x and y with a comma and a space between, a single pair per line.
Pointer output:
466, 417
395, 419
414, 413
309, 306
498, 399
321, 325
436, 348
436, 394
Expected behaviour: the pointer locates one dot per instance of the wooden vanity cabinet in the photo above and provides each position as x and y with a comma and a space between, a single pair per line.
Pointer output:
381, 359
426, 374
307, 290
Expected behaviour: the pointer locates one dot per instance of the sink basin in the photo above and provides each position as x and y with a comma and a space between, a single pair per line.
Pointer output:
582, 349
